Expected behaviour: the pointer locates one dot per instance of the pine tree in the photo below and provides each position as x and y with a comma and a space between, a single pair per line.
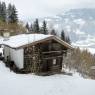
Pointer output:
0, 11
0, 7
3, 11
31, 28
68, 40
44, 28
27, 27
36, 28
9, 11
12, 14
53, 32
63, 35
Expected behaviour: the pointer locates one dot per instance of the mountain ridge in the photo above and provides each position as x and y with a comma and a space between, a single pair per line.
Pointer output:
79, 24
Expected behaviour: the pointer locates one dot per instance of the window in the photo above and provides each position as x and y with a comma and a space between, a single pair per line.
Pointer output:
54, 61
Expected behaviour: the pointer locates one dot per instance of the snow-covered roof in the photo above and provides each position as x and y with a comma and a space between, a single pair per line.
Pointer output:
24, 39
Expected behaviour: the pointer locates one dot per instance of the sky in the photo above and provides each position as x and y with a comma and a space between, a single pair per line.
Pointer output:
43, 8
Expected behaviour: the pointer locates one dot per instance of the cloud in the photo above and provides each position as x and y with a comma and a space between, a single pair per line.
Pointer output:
41, 8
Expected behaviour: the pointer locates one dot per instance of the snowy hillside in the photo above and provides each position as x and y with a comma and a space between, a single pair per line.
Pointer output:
79, 24
28, 84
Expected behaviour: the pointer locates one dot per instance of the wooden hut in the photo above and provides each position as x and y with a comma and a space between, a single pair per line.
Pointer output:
36, 52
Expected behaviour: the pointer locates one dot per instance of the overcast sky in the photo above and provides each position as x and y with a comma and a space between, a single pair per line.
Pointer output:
43, 8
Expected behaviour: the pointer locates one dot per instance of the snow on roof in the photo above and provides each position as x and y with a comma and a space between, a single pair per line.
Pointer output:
22, 39
25, 39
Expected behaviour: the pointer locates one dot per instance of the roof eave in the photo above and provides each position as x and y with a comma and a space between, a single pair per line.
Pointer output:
45, 39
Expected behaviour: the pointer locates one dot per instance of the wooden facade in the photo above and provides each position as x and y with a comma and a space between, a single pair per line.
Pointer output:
37, 55
44, 57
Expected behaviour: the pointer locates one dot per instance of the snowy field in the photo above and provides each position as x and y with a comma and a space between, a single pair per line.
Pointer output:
27, 84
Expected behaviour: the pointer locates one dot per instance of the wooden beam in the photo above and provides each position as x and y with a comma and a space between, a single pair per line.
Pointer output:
52, 57
53, 52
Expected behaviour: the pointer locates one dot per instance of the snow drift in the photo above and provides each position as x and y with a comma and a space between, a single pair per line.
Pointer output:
28, 84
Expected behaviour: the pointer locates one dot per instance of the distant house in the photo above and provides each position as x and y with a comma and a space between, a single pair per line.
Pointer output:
35, 52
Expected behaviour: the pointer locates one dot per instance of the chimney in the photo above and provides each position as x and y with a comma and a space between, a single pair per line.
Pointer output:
6, 35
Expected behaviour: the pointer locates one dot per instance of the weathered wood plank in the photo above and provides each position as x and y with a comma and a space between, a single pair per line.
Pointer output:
54, 52
52, 57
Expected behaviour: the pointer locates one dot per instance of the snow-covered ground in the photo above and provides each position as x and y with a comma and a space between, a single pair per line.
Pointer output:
28, 84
